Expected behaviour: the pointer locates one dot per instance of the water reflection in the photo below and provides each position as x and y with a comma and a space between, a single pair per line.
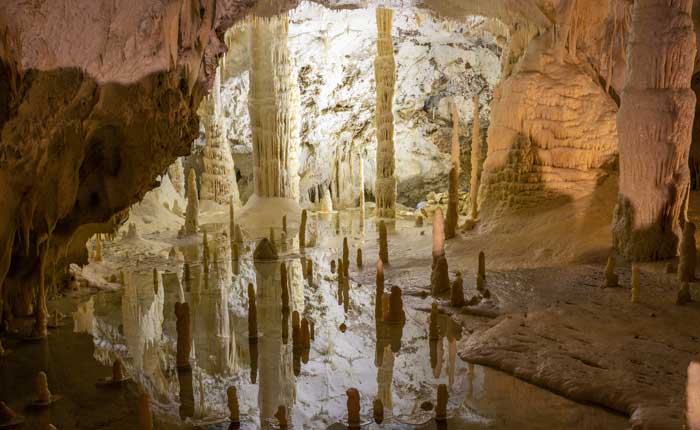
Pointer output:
242, 336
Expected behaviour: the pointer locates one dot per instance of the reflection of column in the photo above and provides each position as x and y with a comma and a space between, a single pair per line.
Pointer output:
273, 105
385, 377
277, 382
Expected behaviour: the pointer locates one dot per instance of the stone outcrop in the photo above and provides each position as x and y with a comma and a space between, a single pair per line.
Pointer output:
385, 77
655, 123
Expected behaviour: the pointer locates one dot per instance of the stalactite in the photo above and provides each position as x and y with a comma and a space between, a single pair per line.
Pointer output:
565, 16
273, 104
192, 211
655, 127
385, 78
475, 155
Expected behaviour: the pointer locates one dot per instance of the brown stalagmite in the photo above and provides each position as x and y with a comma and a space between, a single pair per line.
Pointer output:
333, 269
43, 394
455, 152
353, 404
346, 256
379, 293
383, 243
482, 265
457, 293
441, 407
378, 411
252, 314
452, 204
192, 211
341, 282
234, 411
609, 277
184, 338
654, 124
419, 221
476, 154
302, 230
440, 276
118, 370
384, 74
205, 251
396, 313
359, 258
145, 416
285, 287
438, 234
635, 284
688, 257
272, 234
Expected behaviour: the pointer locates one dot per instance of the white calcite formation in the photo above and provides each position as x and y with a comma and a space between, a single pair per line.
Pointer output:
273, 105
219, 175
655, 122
385, 78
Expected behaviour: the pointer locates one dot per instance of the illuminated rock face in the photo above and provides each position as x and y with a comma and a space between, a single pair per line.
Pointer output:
655, 123
385, 77
273, 105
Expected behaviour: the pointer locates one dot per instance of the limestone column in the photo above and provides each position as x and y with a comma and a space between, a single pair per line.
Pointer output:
385, 77
274, 104
475, 155
219, 175
655, 125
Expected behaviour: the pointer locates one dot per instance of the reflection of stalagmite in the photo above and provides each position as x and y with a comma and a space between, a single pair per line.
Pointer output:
457, 293
441, 407
362, 193
234, 413
41, 312
302, 230
98, 249
186, 394
346, 256
184, 338
482, 265
385, 378
192, 211
273, 105
378, 411
396, 313
451, 361
353, 404
383, 243
285, 287
252, 314
333, 268
384, 73
688, 254
379, 292
476, 154
452, 204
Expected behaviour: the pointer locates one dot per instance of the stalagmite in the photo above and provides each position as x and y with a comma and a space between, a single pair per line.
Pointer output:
482, 265
654, 124
43, 394
252, 314
192, 211
98, 249
312, 330
378, 411
2, 350
234, 412
635, 284
274, 106
455, 152
441, 407
683, 295
156, 281
302, 230
145, 416
476, 154
341, 282
310, 269
419, 221
383, 243
452, 204
379, 292
359, 258
688, 254
438, 234
457, 293
39, 329
177, 176
610, 278
118, 374
285, 287
184, 338
353, 404
440, 277
272, 234
346, 256
333, 269
396, 313
384, 75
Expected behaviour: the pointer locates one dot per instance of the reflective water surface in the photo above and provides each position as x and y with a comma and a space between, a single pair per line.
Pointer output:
349, 347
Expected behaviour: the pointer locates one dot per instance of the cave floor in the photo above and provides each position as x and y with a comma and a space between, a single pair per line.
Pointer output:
550, 325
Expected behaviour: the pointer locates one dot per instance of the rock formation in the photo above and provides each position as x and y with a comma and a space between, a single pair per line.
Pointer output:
419, 221
273, 109
383, 243
655, 123
610, 279
457, 293
192, 210
145, 415
353, 404
302, 230
43, 394
177, 176
475, 157
184, 338
358, 260
265, 251
385, 78
234, 413
7, 415
635, 284
688, 254
441, 407
218, 175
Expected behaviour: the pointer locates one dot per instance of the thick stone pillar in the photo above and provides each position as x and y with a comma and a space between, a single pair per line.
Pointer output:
385, 77
655, 125
273, 104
